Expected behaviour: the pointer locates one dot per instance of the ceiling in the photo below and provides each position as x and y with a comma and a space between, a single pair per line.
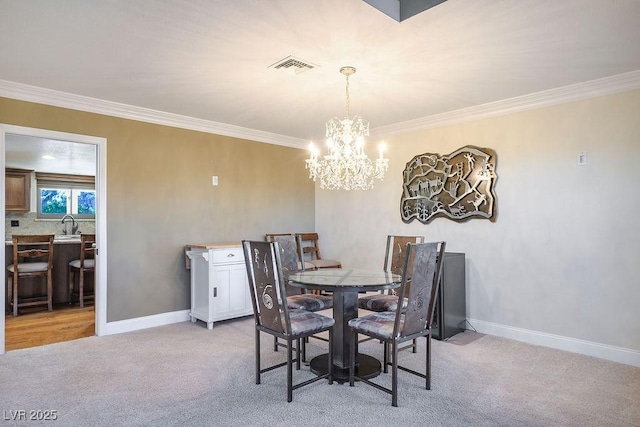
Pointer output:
50, 155
209, 59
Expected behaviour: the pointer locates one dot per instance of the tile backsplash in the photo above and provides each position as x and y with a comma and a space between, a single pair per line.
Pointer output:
29, 224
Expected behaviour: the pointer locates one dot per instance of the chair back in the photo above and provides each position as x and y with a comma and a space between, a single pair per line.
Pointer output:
290, 256
290, 251
32, 248
311, 249
266, 283
87, 248
425, 260
396, 252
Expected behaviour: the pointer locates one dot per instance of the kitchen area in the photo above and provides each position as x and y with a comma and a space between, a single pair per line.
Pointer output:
49, 189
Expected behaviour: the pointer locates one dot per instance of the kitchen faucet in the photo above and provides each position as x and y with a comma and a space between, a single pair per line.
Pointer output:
74, 224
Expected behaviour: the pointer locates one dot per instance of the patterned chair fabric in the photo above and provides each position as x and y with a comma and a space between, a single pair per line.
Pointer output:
272, 315
423, 266
306, 323
380, 302
378, 325
309, 302
394, 259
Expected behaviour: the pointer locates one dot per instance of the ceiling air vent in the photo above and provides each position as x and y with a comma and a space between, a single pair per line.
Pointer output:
292, 65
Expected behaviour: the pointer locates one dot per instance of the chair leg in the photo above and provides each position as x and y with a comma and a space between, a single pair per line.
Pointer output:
257, 356
70, 276
49, 292
81, 287
352, 357
414, 347
304, 351
289, 370
394, 374
428, 362
386, 357
298, 352
275, 343
9, 290
15, 296
330, 367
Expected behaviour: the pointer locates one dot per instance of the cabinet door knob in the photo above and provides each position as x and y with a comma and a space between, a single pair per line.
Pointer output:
215, 292
230, 255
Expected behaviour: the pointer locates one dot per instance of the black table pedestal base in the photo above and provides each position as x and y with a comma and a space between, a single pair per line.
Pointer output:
367, 367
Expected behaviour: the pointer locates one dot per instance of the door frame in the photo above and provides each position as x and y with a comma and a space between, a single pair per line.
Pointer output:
101, 215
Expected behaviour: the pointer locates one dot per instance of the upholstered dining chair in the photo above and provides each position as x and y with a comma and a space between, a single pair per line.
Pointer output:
83, 267
423, 266
290, 254
32, 258
272, 315
297, 299
394, 259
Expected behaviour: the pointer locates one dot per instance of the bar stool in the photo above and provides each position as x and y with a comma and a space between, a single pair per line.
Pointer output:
85, 265
32, 258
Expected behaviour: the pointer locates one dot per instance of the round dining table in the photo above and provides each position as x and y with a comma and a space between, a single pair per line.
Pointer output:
345, 284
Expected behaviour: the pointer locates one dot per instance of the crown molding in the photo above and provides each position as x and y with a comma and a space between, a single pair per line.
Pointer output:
575, 92
56, 98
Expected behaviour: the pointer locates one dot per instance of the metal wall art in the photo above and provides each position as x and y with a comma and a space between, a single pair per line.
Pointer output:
458, 186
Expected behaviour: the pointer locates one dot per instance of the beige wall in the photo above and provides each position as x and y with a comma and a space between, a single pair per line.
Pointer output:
160, 198
560, 262
558, 265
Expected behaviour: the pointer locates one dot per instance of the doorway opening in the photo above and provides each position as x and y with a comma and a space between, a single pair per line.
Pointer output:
78, 155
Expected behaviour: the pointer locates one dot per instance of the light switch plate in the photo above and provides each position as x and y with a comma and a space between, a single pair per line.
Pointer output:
214, 180
583, 158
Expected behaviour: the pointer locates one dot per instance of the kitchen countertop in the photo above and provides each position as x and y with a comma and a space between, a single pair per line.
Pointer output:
62, 239
215, 245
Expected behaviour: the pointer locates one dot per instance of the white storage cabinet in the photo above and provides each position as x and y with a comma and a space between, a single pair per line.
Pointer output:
219, 285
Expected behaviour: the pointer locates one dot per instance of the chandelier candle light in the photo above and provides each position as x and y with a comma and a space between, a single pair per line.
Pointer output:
346, 166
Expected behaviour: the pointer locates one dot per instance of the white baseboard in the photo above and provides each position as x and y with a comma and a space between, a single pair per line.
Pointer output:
602, 351
146, 322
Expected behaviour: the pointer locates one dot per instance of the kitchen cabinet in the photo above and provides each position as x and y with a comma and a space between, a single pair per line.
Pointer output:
450, 313
17, 190
219, 285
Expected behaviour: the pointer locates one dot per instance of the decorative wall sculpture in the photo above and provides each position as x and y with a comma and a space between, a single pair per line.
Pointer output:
458, 186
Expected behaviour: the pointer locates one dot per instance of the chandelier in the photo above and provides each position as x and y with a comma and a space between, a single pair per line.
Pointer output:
346, 166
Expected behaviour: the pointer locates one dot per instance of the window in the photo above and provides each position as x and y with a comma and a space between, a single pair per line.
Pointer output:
59, 195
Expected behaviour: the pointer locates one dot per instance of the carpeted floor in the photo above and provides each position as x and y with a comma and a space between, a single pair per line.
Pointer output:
184, 374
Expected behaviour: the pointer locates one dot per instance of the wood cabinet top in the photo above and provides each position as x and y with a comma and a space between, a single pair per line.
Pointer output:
215, 245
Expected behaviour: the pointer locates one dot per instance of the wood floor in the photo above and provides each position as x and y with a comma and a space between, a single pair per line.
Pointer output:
64, 323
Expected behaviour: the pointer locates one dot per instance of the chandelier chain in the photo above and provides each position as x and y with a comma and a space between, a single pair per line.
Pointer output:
348, 98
